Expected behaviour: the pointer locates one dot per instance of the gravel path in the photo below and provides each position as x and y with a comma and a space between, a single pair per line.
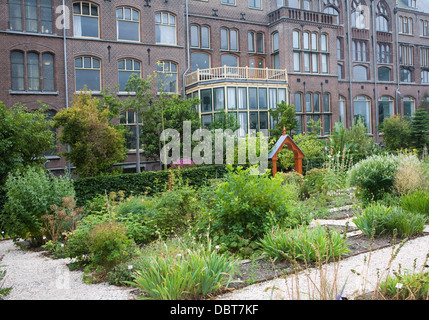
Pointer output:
33, 276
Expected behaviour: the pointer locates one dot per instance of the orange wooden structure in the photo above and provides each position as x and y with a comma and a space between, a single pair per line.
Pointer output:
291, 145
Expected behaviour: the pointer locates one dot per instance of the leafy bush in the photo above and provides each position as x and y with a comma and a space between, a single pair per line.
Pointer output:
416, 202
411, 286
396, 132
374, 176
378, 219
30, 194
245, 206
313, 182
305, 244
185, 274
109, 244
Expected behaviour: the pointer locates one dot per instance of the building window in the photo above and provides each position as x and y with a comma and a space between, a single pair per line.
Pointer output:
425, 76
276, 61
87, 73
406, 55
385, 108
295, 39
384, 74
340, 54
424, 28
405, 75
127, 67
228, 39
383, 14
130, 119
85, 20
359, 50
255, 4
298, 102
405, 25
340, 71
275, 39
231, 2
334, 11
200, 60
358, 16
409, 104
342, 110
37, 15
424, 57
255, 41
128, 24
165, 28
360, 73
167, 76
361, 109
39, 71
200, 37
229, 60
383, 53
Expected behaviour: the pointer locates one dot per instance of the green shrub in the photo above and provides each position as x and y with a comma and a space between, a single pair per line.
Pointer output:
374, 176
245, 206
414, 286
187, 274
109, 244
313, 182
30, 194
378, 219
416, 202
304, 244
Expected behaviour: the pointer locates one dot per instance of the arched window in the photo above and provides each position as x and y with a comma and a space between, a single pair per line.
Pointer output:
359, 14
383, 17
18, 70
385, 108
229, 60
165, 28
255, 41
128, 24
360, 73
200, 36
384, 74
167, 76
85, 20
361, 109
409, 104
87, 73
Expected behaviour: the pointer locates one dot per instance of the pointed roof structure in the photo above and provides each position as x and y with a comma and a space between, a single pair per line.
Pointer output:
285, 139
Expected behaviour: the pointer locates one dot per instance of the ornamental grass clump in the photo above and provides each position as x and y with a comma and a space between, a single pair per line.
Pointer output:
416, 202
185, 274
406, 286
304, 244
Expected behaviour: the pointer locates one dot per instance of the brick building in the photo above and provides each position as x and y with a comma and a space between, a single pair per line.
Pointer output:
332, 59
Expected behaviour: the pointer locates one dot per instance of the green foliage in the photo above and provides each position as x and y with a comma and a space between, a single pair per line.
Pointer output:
30, 194
406, 286
420, 128
247, 205
304, 244
3, 291
285, 117
416, 202
24, 138
109, 244
378, 219
310, 145
313, 182
95, 144
374, 176
177, 273
396, 132
145, 183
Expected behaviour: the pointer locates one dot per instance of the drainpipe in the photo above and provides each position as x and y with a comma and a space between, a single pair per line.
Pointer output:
398, 71
350, 62
65, 71
374, 49
187, 48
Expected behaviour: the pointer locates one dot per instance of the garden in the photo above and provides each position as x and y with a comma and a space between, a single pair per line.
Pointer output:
193, 233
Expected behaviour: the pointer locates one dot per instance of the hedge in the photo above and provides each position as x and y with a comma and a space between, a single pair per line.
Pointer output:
148, 182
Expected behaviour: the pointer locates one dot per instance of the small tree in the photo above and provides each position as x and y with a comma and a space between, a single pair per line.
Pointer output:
396, 132
285, 116
95, 144
420, 128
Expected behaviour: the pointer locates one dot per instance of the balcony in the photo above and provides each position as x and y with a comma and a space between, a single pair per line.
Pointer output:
235, 74
303, 15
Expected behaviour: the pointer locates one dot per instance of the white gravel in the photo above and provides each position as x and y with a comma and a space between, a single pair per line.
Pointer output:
33, 276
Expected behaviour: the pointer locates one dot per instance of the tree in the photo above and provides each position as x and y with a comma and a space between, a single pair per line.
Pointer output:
285, 116
420, 128
396, 132
158, 111
25, 137
95, 144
